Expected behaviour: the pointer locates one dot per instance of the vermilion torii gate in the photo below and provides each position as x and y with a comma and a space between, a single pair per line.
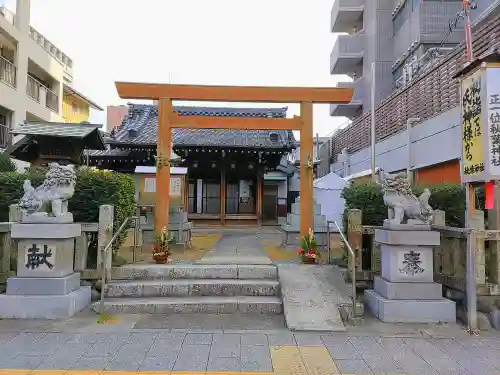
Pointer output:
167, 119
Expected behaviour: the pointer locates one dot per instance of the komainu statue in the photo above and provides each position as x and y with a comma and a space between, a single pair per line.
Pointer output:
403, 206
49, 201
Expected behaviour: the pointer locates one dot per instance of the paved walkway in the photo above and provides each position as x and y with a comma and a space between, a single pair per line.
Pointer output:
76, 346
238, 248
215, 344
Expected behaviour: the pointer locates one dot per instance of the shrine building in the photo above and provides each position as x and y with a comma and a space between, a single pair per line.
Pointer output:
232, 176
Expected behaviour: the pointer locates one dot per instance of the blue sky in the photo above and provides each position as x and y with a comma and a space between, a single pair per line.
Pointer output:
232, 42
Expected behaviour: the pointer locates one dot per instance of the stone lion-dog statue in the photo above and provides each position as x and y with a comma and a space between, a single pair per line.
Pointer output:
50, 199
403, 206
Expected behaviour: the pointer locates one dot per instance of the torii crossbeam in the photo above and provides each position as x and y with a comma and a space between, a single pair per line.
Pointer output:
166, 93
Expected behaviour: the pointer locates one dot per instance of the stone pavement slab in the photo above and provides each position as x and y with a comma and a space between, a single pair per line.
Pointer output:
312, 296
279, 352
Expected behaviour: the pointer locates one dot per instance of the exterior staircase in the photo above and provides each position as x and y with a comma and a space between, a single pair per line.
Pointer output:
193, 288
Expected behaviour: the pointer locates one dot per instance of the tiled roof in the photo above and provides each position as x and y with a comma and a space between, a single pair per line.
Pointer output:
140, 127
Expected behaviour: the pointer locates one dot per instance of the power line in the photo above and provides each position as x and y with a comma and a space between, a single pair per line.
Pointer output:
452, 25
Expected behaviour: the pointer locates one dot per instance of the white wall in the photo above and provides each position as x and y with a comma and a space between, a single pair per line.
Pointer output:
16, 100
434, 141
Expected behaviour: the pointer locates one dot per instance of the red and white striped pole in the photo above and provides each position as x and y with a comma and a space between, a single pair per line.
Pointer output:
468, 32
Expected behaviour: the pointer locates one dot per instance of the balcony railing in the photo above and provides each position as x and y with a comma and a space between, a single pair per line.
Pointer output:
36, 89
349, 48
61, 57
346, 14
5, 136
8, 72
52, 101
33, 89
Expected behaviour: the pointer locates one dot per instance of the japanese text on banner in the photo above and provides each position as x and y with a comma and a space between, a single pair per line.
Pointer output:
472, 127
493, 105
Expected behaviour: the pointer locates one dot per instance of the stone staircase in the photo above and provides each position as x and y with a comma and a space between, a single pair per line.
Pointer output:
193, 288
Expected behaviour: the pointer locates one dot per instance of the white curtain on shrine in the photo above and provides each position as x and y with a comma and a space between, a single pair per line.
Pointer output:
327, 191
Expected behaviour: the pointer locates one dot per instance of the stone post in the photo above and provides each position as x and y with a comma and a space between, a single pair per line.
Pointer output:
81, 252
494, 224
439, 218
355, 235
477, 222
406, 292
105, 233
7, 244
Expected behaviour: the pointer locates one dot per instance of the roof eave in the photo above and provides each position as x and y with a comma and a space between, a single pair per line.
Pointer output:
83, 97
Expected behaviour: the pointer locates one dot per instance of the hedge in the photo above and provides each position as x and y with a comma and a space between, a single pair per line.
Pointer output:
93, 189
446, 197
6, 163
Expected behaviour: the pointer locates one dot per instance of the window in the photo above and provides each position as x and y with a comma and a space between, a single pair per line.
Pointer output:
74, 107
192, 197
232, 197
211, 197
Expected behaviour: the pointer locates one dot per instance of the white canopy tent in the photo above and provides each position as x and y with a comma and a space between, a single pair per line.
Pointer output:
327, 191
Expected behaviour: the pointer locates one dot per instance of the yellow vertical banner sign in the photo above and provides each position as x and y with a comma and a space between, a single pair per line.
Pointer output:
472, 126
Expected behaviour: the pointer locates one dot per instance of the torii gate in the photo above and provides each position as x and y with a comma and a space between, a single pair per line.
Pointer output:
167, 119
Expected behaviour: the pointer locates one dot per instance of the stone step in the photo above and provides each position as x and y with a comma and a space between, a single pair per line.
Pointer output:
193, 271
192, 287
183, 305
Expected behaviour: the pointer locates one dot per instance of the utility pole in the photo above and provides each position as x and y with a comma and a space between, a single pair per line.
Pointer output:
470, 285
373, 133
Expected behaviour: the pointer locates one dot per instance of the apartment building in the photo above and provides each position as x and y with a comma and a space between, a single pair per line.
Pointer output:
35, 76
400, 36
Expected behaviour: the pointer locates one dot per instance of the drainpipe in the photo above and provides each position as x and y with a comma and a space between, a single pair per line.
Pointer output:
409, 124
373, 141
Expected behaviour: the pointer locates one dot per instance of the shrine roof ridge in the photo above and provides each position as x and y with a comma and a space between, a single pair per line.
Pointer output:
139, 127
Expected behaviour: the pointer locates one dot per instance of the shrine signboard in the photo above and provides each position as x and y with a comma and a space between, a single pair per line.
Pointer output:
480, 124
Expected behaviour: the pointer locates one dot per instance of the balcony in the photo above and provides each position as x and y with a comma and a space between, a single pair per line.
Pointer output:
8, 72
355, 107
42, 94
55, 52
347, 15
347, 53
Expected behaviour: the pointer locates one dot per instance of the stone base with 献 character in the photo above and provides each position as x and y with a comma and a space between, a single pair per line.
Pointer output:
406, 292
45, 287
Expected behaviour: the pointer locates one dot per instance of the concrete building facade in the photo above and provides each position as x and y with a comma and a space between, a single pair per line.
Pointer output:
431, 148
398, 36
35, 75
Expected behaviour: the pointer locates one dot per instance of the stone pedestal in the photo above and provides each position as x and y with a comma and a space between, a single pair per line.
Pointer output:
406, 291
291, 228
46, 286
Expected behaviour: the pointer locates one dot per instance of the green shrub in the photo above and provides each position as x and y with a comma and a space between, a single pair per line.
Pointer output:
369, 199
449, 198
11, 190
6, 163
93, 189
